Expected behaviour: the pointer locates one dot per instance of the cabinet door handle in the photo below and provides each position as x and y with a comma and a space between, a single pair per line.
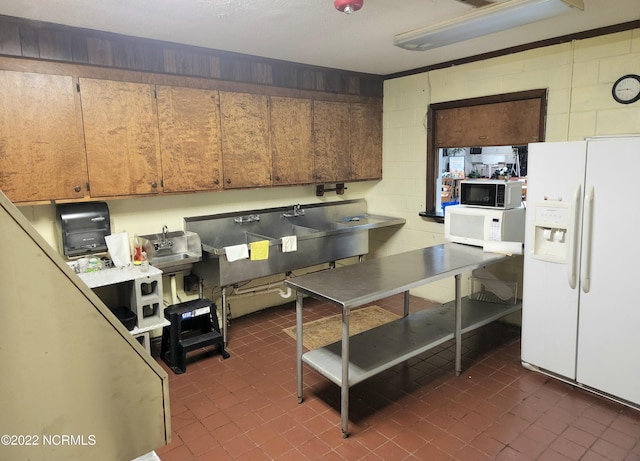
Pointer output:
77, 188
228, 180
216, 182
154, 184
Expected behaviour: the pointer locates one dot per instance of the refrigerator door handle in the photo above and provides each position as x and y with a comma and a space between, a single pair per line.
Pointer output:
585, 273
572, 271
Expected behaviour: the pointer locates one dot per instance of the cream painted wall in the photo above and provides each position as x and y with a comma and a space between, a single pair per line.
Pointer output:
578, 76
148, 215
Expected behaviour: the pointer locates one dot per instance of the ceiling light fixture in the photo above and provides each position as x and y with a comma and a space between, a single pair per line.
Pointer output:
483, 21
348, 6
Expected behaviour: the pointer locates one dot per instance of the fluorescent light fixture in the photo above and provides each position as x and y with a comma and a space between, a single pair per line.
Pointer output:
483, 21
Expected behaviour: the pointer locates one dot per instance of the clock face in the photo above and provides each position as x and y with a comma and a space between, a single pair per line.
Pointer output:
627, 89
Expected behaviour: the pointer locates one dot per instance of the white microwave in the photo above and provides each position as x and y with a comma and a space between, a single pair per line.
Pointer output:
491, 193
476, 226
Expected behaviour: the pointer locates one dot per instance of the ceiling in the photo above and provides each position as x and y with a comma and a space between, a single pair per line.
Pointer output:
310, 31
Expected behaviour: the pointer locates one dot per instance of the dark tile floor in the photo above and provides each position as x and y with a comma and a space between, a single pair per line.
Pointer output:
245, 408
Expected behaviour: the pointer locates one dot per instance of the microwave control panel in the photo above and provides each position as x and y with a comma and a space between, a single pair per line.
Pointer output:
495, 230
500, 195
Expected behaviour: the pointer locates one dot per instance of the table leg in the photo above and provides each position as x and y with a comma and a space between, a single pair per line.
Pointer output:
224, 315
344, 389
458, 320
299, 299
406, 303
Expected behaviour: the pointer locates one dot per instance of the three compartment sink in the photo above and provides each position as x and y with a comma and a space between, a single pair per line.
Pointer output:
173, 251
326, 232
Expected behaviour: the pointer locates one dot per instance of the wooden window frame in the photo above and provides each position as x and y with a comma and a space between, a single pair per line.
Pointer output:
432, 147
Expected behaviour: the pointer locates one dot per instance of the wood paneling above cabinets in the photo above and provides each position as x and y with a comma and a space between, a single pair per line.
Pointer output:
41, 148
57, 43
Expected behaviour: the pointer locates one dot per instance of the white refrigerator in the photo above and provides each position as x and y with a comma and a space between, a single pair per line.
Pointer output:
580, 301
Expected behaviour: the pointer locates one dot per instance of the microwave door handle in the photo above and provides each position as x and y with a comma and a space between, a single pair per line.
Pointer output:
572, 266
585, 272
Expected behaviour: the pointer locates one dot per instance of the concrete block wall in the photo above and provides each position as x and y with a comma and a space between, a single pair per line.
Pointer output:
578, 76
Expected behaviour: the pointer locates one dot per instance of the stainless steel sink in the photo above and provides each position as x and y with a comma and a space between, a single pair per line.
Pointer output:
284, 229
318, 223
336, 224
173, 251
368, 221
325, 233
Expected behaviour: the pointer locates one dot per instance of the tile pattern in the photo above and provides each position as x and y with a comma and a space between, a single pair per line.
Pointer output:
245, 408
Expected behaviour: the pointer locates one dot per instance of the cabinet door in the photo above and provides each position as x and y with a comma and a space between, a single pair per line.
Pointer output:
291, 146
41, 151
190, 146
331, 141
121, 136
246, 157
365, 141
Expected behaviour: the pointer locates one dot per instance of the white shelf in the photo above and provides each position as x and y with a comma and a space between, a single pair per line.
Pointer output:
116, 275
383, 347
139, 303
137, 330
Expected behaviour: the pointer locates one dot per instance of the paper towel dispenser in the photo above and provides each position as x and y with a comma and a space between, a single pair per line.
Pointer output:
82, 228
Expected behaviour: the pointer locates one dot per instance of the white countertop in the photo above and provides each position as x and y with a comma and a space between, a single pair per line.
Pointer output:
116, 275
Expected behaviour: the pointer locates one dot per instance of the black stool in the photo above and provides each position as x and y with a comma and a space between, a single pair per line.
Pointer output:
194, 324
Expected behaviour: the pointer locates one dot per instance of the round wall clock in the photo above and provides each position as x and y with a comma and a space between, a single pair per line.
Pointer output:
627, 89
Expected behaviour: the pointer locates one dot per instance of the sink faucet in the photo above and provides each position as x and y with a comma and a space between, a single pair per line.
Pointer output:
164, 243
296, 211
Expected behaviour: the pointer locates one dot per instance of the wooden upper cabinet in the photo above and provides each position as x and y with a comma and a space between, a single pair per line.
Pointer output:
503, 123
41, 150
121, 137
331, 141
246, 156
291, 141
365, 141
190, 145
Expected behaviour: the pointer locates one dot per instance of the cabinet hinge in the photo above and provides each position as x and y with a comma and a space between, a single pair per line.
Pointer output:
162, 182
88, 187
155, 94
78, 87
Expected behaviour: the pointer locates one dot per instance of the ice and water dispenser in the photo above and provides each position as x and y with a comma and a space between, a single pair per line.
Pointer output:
551, 228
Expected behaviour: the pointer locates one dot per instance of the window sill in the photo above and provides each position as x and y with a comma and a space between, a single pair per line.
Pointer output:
436, 216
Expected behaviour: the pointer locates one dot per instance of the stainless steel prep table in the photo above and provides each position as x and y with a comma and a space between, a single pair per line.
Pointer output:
355, 359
